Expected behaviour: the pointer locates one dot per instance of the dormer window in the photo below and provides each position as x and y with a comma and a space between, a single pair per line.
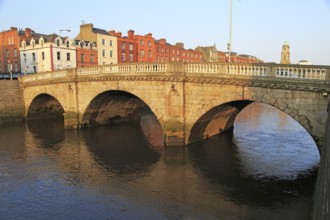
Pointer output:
33, 43
24, 44
41, 42
58, 42
67, 43
82, 44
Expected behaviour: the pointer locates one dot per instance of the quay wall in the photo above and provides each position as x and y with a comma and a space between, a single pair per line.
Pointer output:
11, 102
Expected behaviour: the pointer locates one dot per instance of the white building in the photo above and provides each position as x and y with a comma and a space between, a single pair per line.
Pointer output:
44, 53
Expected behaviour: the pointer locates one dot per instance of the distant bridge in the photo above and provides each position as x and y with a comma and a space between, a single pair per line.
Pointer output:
192, 101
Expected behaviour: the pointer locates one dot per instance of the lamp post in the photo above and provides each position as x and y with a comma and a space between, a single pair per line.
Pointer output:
230, 30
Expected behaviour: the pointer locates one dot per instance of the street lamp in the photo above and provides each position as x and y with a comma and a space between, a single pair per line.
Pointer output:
230, 30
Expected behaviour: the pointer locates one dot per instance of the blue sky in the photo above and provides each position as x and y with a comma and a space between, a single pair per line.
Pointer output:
260, 27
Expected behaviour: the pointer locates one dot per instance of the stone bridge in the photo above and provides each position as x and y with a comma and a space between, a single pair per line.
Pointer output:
192, 101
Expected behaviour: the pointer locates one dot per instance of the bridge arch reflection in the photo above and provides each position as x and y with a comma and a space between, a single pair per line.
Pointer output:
222, 117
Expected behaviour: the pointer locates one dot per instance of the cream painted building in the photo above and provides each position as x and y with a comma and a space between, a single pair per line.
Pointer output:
44, 53
106, 44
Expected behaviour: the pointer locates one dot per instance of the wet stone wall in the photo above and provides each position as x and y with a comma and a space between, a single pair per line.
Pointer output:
11, 102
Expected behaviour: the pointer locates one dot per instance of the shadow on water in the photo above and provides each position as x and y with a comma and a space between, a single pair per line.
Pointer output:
50, 132
123, 150
218, 160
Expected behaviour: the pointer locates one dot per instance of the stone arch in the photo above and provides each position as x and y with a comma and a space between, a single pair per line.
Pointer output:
44, 106
221, 118
281, 105
216, 120
113, 106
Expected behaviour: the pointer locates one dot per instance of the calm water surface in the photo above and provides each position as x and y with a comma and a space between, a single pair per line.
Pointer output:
265, 169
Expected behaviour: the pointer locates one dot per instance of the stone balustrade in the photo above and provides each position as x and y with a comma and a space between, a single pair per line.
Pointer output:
320, 73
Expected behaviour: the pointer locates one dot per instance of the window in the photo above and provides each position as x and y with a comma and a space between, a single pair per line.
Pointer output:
67, 56
110, 43
58, 55
33, 56
123, 57
103, 53
141, 42
15, 52
172, 51
177, 52
16, 67
131, 47
103, 42
162, 50
111, 53
82, 57
149, 43
7, 53
123, 46
91, 58
9, 67
149, 53
142, 53
43, 55
24, 55
67, 43
58, 42
131, 57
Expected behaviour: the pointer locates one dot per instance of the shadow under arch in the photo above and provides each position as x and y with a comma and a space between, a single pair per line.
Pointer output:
217, 120
45, 106
114, 106
45, 120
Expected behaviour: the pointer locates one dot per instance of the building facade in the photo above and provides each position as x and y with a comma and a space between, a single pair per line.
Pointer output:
9, 51
127, 47
105, 43
41, 53
87, 54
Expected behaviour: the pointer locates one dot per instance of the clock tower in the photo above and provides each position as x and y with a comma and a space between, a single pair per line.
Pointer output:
285, 55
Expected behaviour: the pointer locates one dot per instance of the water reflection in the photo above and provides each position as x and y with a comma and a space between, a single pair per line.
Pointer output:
120, 150
273, 145
50, 132
218, 159
123, 172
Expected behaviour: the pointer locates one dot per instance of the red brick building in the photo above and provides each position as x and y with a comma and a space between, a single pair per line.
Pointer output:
146, 48
9, 51
87, 54
166, 52
127, 47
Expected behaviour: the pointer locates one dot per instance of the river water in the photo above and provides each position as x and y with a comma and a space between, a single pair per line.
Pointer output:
265, 169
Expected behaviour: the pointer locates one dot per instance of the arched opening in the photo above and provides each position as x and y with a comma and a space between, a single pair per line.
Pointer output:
216, 120
45, 106
118, 107
45, 119
268, 158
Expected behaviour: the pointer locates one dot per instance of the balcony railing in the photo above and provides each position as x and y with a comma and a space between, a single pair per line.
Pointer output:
319, 73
